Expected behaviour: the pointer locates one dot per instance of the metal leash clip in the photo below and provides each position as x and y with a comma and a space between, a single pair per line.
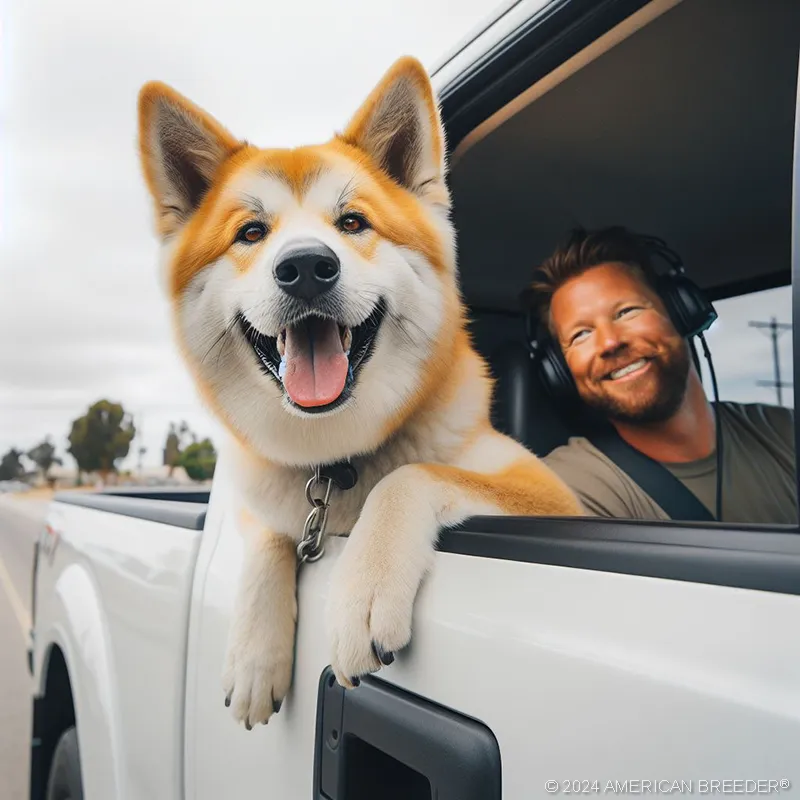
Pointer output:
310, 547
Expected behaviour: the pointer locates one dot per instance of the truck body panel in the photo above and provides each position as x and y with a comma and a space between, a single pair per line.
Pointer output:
579, 674
113, 594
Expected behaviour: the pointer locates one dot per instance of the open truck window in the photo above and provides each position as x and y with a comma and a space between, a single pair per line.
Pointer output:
752, 347
607, 127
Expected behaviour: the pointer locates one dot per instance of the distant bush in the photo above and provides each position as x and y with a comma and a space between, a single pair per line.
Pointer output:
199, 460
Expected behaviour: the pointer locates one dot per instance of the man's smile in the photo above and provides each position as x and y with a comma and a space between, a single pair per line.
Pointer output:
631, 370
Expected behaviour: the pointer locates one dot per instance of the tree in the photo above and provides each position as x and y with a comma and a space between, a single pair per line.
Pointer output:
44, 456
100, 437
173, 448
199, 460
11, 468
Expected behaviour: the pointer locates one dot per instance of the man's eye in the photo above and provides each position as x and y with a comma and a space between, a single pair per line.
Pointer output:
627, 310
576, 337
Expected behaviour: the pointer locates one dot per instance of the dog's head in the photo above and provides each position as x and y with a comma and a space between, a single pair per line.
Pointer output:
314, 289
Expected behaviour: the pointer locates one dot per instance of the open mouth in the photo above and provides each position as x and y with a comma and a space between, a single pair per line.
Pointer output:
317, 359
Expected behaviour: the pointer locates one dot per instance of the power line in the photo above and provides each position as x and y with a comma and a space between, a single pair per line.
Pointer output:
775, 329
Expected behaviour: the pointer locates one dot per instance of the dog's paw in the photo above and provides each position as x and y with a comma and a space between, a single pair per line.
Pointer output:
368, 619
256, 680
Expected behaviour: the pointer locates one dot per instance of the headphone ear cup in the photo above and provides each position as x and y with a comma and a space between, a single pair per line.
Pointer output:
690, 310
554, 372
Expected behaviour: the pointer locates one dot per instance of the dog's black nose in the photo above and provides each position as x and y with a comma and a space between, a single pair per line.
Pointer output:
306, 270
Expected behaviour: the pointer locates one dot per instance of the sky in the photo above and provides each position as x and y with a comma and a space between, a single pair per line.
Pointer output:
742, 355
82, 313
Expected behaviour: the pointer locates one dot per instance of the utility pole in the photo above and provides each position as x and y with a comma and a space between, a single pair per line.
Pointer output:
775, 329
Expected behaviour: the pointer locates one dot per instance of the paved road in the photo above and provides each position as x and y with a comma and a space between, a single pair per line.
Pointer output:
20, 523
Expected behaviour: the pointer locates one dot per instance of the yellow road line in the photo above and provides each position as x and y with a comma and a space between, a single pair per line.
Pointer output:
16, 604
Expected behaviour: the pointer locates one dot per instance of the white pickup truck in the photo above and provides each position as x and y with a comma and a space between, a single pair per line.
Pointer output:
580, 656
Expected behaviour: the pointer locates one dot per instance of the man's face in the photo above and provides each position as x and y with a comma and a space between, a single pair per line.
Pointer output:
627, 359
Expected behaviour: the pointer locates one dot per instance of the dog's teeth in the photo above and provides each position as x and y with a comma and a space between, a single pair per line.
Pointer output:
281, 343
347, 339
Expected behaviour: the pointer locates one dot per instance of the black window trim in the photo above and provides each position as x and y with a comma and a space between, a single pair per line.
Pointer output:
552, 35
747, 557
180, 510
761, 283
755, 557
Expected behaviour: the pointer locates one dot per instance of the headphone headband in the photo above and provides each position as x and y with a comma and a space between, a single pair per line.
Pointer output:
658, 247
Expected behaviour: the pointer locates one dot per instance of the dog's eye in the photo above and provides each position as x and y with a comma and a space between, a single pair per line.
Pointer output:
251, 233
352, 223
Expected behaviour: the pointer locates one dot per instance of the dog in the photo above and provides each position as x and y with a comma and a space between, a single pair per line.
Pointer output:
315, 299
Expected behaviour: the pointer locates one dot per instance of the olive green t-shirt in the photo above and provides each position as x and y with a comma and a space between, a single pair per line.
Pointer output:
758, 471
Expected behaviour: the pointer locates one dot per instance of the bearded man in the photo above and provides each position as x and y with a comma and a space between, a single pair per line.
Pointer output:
598, 297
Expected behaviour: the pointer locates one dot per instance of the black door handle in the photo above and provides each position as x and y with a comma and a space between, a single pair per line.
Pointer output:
378, 741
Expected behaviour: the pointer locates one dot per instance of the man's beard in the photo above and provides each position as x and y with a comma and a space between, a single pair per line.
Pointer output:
672, 379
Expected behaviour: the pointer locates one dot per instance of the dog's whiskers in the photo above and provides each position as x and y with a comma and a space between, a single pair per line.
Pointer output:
228, 328
402, 324
344, 196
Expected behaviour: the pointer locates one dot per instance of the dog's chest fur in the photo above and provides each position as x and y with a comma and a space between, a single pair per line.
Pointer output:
276, 495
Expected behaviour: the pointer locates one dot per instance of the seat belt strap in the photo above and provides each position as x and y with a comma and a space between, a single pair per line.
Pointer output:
678, 502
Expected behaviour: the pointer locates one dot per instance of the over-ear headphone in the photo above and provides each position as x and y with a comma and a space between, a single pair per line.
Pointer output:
689, 309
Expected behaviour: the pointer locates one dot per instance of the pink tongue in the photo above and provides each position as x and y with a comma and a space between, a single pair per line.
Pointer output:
316, 366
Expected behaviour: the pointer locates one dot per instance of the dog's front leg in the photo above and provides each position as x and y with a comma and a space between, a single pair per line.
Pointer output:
258, 664
374, 584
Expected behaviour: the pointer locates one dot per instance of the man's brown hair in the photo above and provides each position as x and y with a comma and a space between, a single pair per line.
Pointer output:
580, 251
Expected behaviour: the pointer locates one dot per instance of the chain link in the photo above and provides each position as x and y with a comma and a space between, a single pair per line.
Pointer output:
310, 547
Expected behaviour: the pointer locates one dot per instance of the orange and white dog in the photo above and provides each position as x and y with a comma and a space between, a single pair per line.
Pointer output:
316, 302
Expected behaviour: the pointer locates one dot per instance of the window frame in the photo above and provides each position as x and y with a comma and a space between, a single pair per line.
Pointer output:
761, 557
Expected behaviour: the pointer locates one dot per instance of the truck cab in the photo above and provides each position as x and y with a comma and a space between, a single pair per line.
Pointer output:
589, 655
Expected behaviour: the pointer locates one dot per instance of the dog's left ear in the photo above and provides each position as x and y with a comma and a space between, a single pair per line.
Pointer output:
400, 128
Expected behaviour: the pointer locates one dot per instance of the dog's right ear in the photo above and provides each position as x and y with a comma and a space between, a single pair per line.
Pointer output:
181, 148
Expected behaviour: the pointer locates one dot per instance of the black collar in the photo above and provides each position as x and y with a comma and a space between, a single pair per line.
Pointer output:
342, 474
